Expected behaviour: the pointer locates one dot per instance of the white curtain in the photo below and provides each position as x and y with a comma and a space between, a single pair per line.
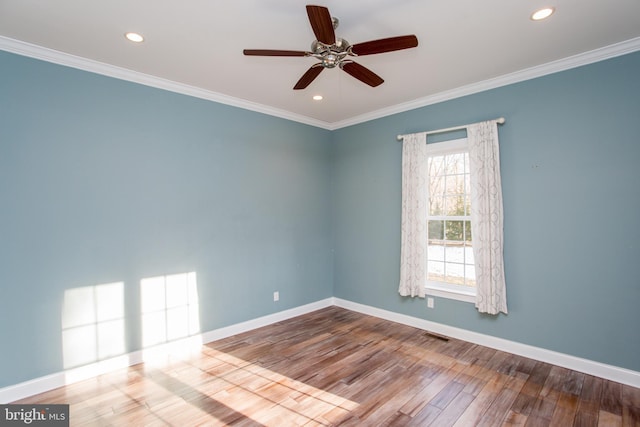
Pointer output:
413, 243
487, 217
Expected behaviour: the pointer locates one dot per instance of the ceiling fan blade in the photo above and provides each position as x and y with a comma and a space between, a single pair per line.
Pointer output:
270, 52
322, 24
362, 73
385, 45
309, 76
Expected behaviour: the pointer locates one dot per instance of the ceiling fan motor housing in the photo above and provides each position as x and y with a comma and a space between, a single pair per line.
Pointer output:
331, 55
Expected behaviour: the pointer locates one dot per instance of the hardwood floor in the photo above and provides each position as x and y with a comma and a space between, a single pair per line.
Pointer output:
337, 367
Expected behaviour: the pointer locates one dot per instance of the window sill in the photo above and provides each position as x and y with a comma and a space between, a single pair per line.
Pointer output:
446, 292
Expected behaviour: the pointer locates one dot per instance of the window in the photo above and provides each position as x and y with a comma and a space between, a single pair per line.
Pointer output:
438, 254
450, 263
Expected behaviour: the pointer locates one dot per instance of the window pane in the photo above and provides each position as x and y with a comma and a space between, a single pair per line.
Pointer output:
436, 205
468, 254
454, 184
435, 252
470, 273
454, 163
454, 205
467, 231
436, 165
454, 254
436, 186
454, 230
436, 230
435, 271
454, 273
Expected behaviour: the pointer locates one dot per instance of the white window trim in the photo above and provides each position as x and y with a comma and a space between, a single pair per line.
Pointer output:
439, 289
451, 146
446, 291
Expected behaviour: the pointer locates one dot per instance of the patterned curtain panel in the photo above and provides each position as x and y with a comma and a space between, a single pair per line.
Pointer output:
487, 217
413, 244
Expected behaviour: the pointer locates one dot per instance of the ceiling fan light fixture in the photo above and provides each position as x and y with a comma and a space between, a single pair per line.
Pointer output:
134, 37
330, 60
317, 97
541, 14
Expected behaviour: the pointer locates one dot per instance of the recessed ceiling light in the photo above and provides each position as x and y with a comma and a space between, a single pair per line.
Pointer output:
542, 13
134, 37
317, 97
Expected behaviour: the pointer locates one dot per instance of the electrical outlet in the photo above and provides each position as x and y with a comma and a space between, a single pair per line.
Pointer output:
430, 302
276, 296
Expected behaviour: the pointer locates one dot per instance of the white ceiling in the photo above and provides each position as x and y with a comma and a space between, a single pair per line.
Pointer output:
195, 47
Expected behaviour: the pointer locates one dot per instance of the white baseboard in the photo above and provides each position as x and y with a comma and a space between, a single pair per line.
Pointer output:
191, 344
249, 325
609, 372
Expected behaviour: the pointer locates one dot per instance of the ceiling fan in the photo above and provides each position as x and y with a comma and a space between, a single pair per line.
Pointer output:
333, 51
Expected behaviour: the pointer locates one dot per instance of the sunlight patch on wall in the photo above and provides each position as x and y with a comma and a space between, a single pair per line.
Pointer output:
169, 307
93, 324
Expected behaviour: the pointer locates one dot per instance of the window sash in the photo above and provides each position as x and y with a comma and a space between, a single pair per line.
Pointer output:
462, 292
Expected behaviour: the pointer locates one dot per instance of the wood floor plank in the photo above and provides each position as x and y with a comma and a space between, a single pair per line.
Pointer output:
484, 399
407, 384
565, 410
472, 383
454, 409
335, 367
514, 419
611, 398
589, 404
630, 406
424, 396
607, 419
447, 394
497, 412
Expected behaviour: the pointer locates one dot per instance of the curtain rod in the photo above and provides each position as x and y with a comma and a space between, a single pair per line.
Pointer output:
500, 121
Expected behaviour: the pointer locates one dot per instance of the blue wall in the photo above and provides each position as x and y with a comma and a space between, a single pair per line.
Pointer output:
570, 154
105, 181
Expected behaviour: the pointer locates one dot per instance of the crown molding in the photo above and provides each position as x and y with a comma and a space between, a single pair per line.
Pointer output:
73, 61
61, 58
590, 57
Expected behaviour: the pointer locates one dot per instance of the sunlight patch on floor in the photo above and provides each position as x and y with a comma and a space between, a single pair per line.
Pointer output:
221, 380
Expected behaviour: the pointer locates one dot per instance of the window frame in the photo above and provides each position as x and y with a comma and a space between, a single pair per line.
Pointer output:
436, 288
